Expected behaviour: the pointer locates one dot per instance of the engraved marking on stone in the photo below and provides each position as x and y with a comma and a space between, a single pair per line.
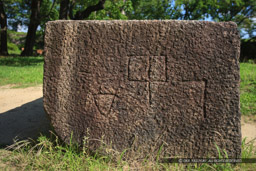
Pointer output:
104, 102
144, 68
138, 68
204, 98
107, 89
147, 68
157, 70
149, 94
153, 69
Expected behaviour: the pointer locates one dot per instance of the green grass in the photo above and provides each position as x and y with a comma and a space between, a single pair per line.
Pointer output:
52, 154
21, 71
248, 88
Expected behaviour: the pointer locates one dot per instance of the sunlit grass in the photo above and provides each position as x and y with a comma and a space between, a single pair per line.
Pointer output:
248, 88
21, 71
52, 154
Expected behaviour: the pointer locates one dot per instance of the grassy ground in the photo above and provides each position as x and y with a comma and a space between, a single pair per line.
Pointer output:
21, 71
50, 154
248, 88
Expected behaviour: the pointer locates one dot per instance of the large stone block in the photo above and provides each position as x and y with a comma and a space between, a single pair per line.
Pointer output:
145, 84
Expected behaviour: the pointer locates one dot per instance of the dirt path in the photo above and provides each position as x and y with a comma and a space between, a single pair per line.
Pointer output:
22, 114
249, 129
12, 98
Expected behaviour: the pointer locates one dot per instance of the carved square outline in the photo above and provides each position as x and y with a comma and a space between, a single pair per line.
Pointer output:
147, 68
157, 69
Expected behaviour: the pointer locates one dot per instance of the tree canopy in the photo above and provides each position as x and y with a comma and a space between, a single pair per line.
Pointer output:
33, 14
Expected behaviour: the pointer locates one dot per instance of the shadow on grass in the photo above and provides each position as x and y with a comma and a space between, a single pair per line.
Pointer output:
18, 61
26, 121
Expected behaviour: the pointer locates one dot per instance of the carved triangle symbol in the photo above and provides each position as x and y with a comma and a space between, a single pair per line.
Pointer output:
104, 102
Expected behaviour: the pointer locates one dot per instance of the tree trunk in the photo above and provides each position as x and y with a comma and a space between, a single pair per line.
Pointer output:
33, 24
3, 22
64, 8
80, 15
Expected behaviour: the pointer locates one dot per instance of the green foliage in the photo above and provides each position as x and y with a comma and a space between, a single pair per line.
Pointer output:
13, 49
240, 11
113, 9
15, 42
192, 9
153, 9
48, 12
17, 13
15, 35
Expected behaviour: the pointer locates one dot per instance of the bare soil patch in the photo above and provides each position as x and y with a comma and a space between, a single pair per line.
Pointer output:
22, 114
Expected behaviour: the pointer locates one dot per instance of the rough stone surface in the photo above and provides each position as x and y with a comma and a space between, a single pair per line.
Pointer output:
145, 84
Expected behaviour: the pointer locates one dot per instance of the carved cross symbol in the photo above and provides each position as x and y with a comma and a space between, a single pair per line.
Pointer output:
143, 68
186, 98
147, 69
153, 70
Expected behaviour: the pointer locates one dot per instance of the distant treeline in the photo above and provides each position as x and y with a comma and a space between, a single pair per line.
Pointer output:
248, 50
33, 14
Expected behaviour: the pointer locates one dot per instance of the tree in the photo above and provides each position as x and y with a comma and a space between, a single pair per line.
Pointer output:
64, 8
153, 9
192, 9
3, 22
113, 9
37, 15
48, 12
82, 9
33, 24
240, 11
17, 12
